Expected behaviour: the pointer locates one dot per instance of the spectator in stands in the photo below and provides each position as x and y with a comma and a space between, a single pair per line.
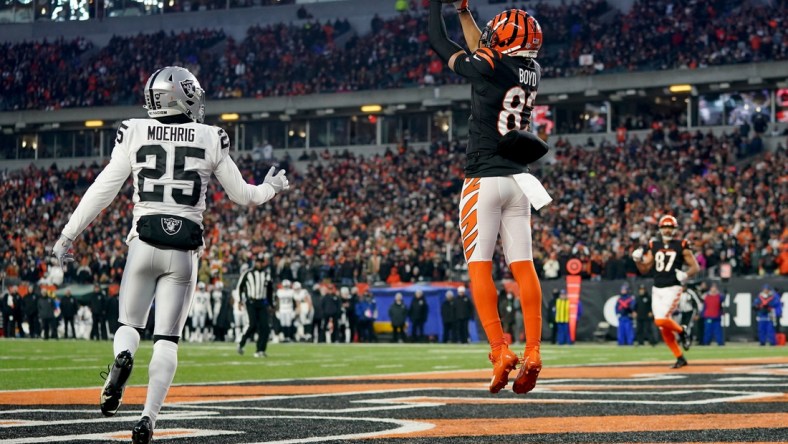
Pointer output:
551, 267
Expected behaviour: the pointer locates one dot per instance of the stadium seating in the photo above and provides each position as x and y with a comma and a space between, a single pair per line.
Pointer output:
286, 59
402, 207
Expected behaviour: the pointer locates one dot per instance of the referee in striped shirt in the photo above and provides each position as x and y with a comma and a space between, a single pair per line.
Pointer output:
256, 287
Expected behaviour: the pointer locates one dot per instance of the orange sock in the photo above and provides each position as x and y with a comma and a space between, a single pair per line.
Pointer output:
667, 327
530, 300
670, 324
485, 299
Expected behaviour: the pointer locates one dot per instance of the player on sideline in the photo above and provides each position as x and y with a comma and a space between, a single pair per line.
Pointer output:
497, 194
668, 256
171, 157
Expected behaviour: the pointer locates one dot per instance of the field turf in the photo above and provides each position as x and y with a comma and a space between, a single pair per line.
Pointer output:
31, 364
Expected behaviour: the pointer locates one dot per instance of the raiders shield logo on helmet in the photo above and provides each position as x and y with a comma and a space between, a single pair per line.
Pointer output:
188, 88
171, 226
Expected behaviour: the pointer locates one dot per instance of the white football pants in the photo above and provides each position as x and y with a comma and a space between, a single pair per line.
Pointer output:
168, 276
493, 205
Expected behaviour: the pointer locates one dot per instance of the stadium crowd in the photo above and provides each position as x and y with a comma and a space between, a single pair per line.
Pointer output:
392, 218
293, 59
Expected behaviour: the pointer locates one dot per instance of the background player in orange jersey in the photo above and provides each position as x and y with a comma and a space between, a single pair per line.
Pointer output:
497, 194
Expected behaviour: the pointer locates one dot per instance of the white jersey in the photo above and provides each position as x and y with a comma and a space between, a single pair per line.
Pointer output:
216, 297
171, 165
201, 303
285, 298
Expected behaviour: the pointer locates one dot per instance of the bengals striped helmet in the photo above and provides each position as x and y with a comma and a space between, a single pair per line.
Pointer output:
514, 33
667, 226
668, 221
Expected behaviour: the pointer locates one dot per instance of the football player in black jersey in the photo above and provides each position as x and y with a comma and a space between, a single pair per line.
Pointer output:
497, 193
668, 256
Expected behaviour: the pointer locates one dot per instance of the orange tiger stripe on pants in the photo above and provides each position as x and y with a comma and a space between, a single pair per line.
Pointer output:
489, 207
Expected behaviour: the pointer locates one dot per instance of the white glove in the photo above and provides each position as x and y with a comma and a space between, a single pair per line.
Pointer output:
278, 181
681, 276
637, 255
60, 251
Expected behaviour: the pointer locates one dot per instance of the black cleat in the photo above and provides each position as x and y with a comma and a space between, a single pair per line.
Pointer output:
680, 362
685, 338
116, 377
142, 433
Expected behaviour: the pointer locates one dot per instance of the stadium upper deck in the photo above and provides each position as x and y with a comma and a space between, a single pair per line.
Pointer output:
727, 59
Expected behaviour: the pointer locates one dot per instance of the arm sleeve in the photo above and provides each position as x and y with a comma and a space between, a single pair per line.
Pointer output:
439, 38
241, 287
101, 193
237, 189
478, 65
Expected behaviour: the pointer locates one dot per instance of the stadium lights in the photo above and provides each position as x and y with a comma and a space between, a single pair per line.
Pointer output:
229, 117
371, 109
94, 123
680, 88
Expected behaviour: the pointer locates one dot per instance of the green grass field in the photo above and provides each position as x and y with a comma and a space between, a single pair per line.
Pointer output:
30, 364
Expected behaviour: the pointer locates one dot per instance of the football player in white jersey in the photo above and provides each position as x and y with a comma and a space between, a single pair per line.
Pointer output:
285, 310
200, 312
171, 157
240, 317
305, 313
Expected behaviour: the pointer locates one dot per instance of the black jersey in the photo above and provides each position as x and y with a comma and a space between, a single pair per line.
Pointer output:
503, 90
668, 257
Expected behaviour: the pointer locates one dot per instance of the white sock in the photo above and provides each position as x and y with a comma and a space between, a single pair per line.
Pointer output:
161, 370
126, 338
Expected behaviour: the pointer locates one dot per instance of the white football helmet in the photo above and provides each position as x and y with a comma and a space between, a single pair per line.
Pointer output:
174, 90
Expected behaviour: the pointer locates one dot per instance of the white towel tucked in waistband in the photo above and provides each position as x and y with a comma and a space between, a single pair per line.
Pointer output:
533, 190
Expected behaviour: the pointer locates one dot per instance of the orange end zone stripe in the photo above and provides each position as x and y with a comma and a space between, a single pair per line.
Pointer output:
594, 424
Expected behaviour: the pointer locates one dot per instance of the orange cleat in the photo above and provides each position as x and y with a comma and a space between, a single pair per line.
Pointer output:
529, 371
504, 363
